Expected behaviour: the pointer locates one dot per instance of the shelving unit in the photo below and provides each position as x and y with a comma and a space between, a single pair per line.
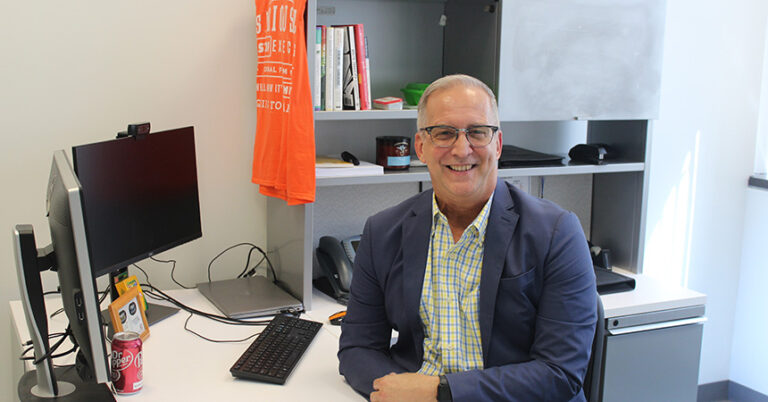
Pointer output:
365, 115
420, 174
590, 69
564, 73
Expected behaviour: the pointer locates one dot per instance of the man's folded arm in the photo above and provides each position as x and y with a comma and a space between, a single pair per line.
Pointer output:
565, 326
366, 333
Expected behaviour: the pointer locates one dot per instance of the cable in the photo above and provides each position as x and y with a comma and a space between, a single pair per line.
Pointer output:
154, 293
186, 327
252, 271
221, 253
102, 295
49, 355
253, 246
158, 294
248, 262
27, 350
173, 268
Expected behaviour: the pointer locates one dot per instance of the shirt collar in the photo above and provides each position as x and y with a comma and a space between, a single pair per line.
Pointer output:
479, 224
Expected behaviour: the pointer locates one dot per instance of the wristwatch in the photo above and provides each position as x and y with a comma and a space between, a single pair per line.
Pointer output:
444, 390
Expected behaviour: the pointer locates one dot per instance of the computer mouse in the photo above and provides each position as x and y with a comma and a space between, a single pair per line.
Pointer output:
336, 318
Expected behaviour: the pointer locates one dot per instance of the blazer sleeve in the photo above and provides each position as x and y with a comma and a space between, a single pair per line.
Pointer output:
565, 325
365, 332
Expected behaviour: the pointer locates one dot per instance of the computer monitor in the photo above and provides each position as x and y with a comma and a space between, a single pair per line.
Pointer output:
68, 255
138, 196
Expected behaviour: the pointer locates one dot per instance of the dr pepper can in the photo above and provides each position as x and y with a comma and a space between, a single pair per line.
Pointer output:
127, 376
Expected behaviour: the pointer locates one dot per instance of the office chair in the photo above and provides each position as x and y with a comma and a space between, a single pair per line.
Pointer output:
594, 369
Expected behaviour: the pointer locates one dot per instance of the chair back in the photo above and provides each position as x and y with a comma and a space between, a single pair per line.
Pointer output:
593, 377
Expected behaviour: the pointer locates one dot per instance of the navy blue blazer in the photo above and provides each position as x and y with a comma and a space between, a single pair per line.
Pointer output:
537, 301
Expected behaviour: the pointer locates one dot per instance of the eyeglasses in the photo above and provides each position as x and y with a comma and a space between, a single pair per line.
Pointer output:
446, 136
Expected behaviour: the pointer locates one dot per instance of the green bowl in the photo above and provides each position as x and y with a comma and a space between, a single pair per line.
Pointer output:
412, 92
417, 85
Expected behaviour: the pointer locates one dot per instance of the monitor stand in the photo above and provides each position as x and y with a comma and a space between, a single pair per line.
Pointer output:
45, 383
155, 313
71, 388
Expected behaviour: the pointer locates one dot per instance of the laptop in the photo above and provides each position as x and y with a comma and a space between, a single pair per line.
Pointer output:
512, 156
255, 296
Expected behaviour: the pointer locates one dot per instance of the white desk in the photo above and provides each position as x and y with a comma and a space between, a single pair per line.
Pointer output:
650, 295
180, 366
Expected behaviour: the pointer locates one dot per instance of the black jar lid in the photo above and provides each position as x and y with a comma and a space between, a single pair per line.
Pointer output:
392, 138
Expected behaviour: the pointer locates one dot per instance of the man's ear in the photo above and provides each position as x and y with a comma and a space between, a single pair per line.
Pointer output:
498, 143
418, 146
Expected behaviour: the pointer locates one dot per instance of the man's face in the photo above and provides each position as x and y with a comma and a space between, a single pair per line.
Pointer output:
461, 174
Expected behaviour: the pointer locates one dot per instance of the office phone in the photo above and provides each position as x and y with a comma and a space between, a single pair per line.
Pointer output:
336, 258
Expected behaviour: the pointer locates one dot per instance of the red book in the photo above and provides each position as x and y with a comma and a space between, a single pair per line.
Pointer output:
362, 73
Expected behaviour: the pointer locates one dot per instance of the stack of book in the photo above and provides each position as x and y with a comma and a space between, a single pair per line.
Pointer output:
327, 166
343, 76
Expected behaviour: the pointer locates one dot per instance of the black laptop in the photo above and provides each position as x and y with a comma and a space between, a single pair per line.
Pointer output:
512, 156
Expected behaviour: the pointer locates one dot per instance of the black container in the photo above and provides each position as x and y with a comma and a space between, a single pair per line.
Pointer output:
393, 152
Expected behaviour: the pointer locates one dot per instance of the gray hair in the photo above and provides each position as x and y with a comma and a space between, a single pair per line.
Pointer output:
450, 81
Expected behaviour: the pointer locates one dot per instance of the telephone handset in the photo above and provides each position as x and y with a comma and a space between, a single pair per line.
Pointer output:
336, 258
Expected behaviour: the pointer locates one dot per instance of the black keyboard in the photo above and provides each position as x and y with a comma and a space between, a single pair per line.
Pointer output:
277, 349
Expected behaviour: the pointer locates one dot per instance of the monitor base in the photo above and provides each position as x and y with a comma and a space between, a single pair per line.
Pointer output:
68, 380
155, 314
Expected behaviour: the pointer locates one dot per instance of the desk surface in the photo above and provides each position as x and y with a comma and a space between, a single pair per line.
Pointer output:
179, 365
650, 295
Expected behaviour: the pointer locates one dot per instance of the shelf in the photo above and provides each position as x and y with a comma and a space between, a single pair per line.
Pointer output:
366, 115
418, 174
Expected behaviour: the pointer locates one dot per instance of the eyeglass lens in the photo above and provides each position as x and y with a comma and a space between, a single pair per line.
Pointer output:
445, 136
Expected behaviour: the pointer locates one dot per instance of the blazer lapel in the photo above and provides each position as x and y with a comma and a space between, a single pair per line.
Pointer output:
416, 229
501, 225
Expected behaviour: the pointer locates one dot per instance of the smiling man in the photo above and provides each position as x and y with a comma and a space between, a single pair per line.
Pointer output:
491, 290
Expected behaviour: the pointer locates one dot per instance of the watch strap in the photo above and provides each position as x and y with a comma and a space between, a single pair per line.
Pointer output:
444, 390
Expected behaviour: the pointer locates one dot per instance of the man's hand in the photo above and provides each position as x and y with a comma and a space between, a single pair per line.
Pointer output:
405, 387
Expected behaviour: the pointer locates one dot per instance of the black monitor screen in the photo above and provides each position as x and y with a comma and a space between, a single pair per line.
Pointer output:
140, 196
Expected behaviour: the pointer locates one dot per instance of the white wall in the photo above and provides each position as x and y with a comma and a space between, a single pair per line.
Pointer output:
701, 158
749, 351
79, 71
749, 361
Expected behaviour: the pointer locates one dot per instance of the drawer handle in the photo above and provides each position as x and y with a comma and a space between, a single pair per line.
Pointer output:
658, 325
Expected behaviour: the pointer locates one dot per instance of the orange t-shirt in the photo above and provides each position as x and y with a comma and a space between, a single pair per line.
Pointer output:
284, 149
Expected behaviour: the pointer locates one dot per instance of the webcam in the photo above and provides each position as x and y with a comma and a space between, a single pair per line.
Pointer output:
136, 130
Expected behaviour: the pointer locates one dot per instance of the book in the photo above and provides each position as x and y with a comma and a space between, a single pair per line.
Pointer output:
323, 50
329, 67
367, 70
316, 84
350, 94
388, 103
322, 161
338, 67
363, 169
362, 70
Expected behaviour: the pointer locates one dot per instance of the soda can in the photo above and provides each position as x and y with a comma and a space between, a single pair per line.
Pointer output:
127, 376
